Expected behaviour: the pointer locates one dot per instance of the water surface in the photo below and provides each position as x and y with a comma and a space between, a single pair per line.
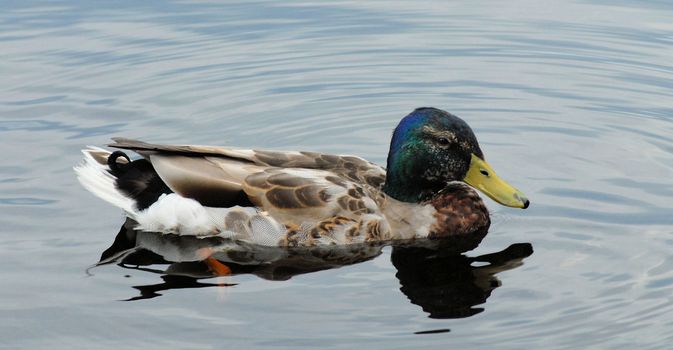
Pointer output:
570, 101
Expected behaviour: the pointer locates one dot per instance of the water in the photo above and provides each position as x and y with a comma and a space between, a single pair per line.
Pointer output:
570, 101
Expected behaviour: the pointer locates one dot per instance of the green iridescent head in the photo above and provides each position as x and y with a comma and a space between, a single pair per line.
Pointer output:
431, 148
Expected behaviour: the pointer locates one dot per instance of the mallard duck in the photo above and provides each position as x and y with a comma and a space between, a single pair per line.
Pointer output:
276, 198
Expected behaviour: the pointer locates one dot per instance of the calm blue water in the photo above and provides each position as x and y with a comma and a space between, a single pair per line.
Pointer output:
571, 101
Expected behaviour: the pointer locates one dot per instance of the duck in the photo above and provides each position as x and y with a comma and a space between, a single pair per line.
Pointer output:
427, 191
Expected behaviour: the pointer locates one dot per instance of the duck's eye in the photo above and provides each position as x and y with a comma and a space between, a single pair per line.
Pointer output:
483, 172
443, 141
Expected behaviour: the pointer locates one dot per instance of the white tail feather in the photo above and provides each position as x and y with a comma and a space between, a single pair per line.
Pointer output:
98, 180
172, 213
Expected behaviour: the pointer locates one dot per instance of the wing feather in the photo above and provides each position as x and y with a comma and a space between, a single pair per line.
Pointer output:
354, 166
305, 184
296, 196
212, 182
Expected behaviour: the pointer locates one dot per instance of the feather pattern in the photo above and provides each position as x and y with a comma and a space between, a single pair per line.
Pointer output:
277, 198
300, 198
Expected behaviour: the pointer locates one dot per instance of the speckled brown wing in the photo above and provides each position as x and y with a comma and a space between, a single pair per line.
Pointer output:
298, 183
296, 196
359, 178
344, 167
318, 207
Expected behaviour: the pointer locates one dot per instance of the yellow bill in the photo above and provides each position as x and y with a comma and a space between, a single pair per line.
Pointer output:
482, 177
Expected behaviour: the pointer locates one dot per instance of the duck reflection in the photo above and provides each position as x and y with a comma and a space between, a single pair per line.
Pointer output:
433, 275
448, 285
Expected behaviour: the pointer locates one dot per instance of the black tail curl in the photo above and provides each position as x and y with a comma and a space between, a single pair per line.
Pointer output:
137, 179
117, 168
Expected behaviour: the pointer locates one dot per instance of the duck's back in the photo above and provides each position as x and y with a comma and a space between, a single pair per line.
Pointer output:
296, 198
214, 175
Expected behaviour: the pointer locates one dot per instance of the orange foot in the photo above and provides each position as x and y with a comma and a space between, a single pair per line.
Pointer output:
218, 268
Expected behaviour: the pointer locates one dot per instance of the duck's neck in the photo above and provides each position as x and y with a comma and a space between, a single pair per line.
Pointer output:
405, 187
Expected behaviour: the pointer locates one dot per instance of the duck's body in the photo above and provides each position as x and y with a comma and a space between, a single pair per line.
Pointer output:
294, 198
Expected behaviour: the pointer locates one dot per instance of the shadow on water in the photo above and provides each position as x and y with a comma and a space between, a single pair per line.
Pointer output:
433, 275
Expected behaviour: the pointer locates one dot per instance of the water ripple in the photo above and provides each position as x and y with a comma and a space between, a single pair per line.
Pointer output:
26, 201
570, 101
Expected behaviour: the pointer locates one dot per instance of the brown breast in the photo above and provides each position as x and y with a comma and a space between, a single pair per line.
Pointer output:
460, 212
